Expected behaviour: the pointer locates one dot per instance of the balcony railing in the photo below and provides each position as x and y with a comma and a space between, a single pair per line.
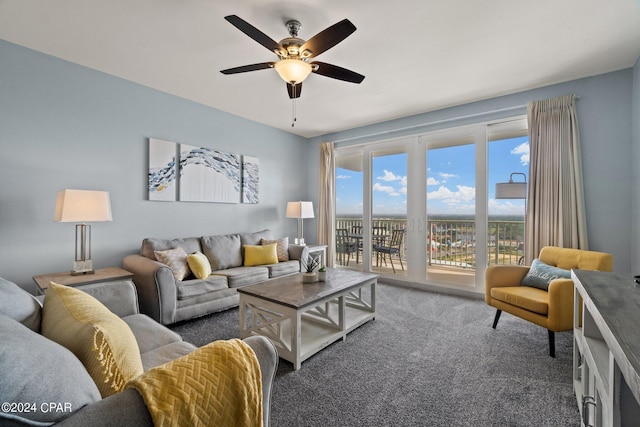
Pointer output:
452, 243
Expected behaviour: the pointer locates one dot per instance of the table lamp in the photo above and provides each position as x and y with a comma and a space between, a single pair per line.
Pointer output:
300, 210
82, 206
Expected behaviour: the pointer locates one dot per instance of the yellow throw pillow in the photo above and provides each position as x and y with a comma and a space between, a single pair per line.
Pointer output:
176, 260
283, 247
199, 265
260, 255
101, 340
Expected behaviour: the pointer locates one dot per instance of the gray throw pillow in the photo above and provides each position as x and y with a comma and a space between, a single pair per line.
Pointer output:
44, 380
222, 251
19, 305
541, 274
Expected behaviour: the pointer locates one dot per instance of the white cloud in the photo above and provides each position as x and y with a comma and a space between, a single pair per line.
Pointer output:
390, 176
445, 175
523, 151
432, 181
385, 189
343, 176
462, 194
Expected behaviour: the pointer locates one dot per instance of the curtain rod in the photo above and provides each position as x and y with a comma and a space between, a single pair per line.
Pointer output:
435, 122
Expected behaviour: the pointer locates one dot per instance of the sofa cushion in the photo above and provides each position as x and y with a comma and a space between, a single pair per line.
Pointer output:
176, 260
101, 340
36, 371
199, 265
18, 304
192, 288
283, 247
541, 274
166, 353
283, 268
149, 333
222, 251
149, 245
243, 276
260, 254
256, 237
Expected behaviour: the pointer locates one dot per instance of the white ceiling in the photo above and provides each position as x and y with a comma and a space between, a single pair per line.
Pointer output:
417, 55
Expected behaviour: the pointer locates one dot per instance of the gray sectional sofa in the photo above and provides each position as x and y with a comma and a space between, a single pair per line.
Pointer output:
168, 300
43, 383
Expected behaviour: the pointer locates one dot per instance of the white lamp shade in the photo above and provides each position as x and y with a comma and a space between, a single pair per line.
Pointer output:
82, 206
293, 70
300, 210
511, 190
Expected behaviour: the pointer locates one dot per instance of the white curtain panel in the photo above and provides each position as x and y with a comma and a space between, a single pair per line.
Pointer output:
327, 200
555, 205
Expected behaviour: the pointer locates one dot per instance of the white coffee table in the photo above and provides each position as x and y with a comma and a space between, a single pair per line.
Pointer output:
303, 318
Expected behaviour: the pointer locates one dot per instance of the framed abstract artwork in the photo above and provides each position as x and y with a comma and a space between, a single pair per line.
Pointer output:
250, 179
162, 170
208, 175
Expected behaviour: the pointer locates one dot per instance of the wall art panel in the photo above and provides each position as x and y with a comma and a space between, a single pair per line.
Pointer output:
250, 179
162, 170
208, 175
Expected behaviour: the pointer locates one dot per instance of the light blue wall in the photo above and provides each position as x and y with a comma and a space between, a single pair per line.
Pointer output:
605, 120
66, 126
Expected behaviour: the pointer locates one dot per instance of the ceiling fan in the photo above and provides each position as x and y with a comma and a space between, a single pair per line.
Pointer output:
294, 53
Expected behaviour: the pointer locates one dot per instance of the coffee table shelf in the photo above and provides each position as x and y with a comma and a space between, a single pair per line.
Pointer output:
302, 319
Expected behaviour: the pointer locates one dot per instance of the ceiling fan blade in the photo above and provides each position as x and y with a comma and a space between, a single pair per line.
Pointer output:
335, 72
328, 38
294, 90
254, 33
246, 68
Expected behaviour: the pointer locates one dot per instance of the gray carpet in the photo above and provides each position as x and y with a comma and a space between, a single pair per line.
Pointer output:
426, 360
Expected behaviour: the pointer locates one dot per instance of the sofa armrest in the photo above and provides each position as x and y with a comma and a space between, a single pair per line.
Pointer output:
156, 286
126, 408
120, 297
267, 356
298, 253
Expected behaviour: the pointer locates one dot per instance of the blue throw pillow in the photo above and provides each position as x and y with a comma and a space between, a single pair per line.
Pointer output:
540, 274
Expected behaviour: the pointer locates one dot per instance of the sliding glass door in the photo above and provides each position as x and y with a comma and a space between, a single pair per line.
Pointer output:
418, 208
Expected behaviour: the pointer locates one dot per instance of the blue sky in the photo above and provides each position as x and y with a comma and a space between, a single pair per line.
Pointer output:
450, 180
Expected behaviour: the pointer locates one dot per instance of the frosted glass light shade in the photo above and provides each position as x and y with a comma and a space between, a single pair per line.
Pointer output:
293, 70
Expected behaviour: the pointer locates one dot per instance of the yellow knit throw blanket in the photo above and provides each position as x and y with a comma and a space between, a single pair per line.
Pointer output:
216, 385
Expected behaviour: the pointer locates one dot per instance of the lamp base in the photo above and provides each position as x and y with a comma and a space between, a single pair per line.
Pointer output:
82, 267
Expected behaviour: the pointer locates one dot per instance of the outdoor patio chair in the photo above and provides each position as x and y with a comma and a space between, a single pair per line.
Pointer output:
344, 246
393, 248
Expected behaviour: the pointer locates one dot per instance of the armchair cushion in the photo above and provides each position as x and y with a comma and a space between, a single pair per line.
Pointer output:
101, 340
541, 274
525, 297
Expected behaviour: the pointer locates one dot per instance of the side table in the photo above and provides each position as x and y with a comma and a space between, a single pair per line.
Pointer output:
319, 251
108, 274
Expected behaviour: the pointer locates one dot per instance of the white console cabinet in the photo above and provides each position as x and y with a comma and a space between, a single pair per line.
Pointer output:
606, 348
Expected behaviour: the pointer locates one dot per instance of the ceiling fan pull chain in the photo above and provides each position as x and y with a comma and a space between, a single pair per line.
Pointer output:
294, 117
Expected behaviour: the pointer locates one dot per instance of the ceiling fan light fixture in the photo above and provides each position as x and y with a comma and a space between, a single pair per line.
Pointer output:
293, 71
